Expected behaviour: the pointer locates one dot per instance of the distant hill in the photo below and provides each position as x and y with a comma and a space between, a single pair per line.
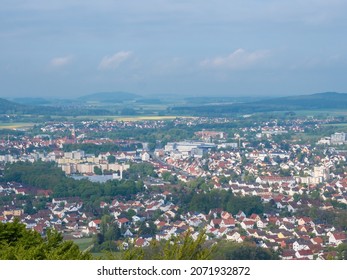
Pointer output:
31, 100
201, 100
150, 101
318, 101
326, 100
114, 97
9, 107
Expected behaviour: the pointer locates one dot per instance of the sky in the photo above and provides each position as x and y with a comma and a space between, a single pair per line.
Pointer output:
69, 48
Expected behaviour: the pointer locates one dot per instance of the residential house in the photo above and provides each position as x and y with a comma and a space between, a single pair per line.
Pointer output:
94, 224
300, 245
262, 224
337, 238
215, 222
228, 223
123, 222
247, 224
288, 254
234, 236
141, 242
304, 254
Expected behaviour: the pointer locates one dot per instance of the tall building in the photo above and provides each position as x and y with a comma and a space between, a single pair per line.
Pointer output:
338, 138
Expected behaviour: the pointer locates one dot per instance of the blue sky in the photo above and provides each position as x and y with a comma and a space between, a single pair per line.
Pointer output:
193, 47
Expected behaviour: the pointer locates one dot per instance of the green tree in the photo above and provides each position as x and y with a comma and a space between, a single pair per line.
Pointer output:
130, 213
147, 228
342, 251
113, 233
18, 243
178, 248
166, 175
140, 170
111, 159
229, 250
296, 197
105, 222
28, 208
97, 170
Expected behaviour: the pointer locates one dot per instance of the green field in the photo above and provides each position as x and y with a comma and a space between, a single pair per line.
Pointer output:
16, 125
87, 242
84, 243
339, 125
320, 113
145, 118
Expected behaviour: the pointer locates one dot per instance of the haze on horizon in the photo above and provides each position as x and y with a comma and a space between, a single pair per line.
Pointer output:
186, 47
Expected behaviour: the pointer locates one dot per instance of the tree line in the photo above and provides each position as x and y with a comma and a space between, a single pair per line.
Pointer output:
200, 201
43, 175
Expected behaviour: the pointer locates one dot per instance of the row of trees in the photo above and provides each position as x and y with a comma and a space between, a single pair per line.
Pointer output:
90, 148
205, 201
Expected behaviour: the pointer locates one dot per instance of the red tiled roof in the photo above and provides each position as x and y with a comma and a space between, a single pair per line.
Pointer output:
123, 220
305, 252
339, 236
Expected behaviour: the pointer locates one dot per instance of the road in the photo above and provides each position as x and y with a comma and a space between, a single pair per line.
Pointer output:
172, 167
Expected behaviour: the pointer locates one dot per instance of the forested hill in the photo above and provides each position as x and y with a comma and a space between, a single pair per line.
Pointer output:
9, 107
318, 101
78, 106
327, 100
113, 97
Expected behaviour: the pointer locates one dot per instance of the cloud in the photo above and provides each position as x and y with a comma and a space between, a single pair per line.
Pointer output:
114, 61
60, 61
239, 59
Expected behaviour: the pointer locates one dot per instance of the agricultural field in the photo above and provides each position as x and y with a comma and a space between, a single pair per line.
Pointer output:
339, 125
16, 125
323, 113
144, 118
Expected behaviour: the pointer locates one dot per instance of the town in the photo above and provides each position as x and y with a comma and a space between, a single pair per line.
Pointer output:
279, 183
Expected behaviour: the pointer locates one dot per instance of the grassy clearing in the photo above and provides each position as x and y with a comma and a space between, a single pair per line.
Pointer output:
86, 242
305, 138
83, 243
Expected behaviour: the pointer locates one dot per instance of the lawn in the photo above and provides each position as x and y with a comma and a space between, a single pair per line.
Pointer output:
84, 243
